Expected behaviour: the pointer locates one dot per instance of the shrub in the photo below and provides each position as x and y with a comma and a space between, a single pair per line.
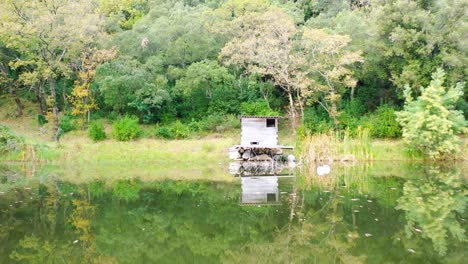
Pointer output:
316, 121
259, 107
67, 124
9, 142
96, 131
41, 120
219, 123
164, 132
430, 122
382, 123
126, 129
177, 130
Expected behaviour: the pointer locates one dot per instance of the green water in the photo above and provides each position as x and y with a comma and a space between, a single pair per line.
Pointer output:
356, 214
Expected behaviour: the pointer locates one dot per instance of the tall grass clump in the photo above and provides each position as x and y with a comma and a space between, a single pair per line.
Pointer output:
336, 146
96, 131
126, 128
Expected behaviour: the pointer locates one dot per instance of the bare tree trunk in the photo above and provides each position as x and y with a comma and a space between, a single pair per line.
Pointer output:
301, 107
292, 110
53, 93
334, 113
38, 96
19, 105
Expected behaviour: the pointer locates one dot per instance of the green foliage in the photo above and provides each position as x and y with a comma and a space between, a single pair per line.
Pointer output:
432, 205
96, 131
41, 120
9, 142
430, 122
382, 123
126, 129
67, 124
260, 107
176, 130
128, 190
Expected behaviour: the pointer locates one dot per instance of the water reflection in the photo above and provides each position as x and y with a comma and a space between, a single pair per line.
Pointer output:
355, 214
260, 181
434, 207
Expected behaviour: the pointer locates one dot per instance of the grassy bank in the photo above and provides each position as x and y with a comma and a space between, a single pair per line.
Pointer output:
332, 147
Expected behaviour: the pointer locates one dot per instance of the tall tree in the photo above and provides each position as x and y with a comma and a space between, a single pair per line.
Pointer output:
265, 46
51, 36
329, 65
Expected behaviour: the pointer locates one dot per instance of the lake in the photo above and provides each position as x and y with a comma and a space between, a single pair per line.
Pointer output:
234, 213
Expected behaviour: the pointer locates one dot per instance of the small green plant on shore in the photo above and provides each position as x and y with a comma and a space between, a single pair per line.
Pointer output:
9, 141
126, 128
177, 130
96, 131
67, 124
430, 122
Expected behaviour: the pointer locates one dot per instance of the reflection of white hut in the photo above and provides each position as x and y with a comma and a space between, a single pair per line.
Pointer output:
260, 190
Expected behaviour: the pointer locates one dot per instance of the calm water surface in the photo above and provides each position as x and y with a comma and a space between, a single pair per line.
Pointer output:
377, 213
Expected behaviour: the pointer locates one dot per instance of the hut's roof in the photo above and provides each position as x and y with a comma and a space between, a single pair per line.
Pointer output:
254, 116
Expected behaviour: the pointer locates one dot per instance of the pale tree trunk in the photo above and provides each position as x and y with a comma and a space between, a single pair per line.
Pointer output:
38, 95
334, 109
53, 93
292, 110
19, 105
301, 107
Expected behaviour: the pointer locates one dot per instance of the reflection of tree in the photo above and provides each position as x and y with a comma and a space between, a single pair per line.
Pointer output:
433, 205
309, 239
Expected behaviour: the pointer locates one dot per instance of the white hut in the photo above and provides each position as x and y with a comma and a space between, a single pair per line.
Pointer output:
259, 139
259, 131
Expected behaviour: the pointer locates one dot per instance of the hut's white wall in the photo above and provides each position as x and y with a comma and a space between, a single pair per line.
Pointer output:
256, 130
257, 189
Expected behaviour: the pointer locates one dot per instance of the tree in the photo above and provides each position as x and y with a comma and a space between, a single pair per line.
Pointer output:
203, 84
265, 46
430, 122
81, 97
51, 36
127, 86
329, 65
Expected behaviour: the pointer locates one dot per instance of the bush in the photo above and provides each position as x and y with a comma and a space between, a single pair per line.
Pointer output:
317, 121
41, 120
176, 130
219, 123
259, 107
126, 129
96, 131
9, 142
382, 123
67, 124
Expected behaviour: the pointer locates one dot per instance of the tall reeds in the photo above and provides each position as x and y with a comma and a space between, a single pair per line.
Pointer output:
336, 146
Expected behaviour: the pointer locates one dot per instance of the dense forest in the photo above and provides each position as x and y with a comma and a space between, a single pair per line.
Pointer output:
326, 64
